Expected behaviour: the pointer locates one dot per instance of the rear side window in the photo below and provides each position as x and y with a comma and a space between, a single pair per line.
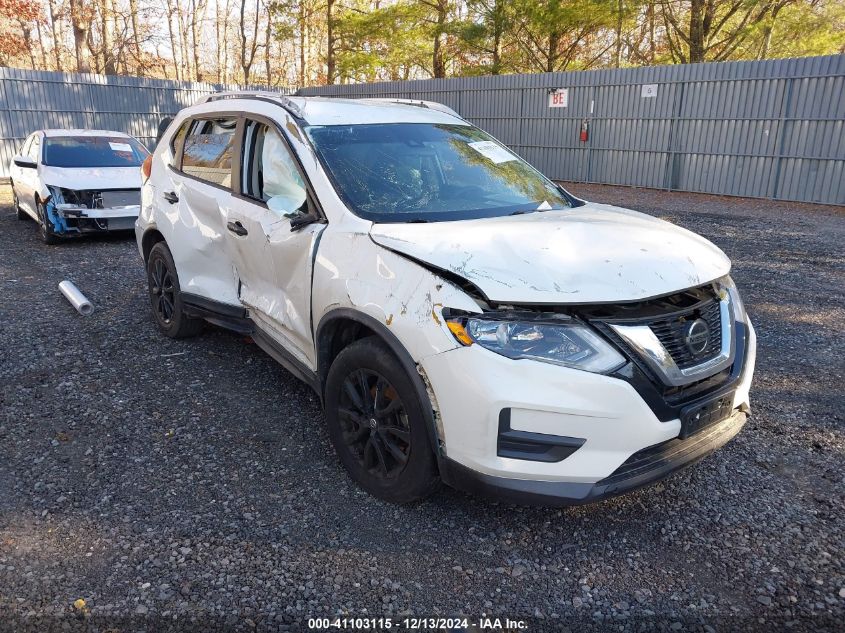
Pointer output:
207, 152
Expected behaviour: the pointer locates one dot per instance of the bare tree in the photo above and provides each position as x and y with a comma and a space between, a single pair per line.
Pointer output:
249, 46
81, 28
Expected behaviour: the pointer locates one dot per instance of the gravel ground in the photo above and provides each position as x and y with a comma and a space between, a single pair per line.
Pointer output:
191, 484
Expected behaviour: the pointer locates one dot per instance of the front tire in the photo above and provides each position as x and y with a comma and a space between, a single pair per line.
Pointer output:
166, 297
376, 424
46, 228
19, 212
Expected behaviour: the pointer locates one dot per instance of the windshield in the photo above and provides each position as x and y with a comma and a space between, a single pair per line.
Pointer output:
93, 151
416, 172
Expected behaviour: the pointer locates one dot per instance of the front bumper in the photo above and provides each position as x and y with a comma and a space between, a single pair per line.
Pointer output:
114, 219
472, 386
641, 469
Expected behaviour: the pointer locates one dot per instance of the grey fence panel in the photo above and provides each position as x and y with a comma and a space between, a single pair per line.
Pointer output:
32, 100
771, 129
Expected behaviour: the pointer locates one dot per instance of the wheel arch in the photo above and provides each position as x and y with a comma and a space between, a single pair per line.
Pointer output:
151, 237
341, 327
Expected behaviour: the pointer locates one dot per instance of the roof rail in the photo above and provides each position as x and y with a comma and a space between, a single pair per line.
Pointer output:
431, 105
261, 95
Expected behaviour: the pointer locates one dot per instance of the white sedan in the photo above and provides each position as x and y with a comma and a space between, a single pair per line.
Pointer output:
78, 181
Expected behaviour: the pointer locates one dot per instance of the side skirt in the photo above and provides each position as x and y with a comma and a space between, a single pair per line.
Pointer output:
228, 316
236, 318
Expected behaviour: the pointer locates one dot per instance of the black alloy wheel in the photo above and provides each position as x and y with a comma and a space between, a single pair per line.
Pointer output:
375, 423
162, 292
165, 296
375, 417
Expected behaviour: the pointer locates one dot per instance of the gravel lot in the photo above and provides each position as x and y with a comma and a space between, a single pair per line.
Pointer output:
191, 484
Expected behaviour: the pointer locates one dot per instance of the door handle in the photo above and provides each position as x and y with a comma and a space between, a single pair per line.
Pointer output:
171, 197
237, 228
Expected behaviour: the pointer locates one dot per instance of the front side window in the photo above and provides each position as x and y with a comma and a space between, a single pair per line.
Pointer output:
35, 148
91, 151
269, 172
413, 172
26, 145
208, 148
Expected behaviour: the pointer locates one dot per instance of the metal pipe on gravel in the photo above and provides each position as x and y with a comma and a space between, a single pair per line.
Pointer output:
76, 298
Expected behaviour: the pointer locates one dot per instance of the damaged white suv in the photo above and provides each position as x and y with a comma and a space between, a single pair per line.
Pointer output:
461, 317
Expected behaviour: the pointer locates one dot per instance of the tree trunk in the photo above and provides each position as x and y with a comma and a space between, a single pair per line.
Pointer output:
57, 38
553, 52
302, 42
268, 40
228, 10
618, 55
498, 32
41, 44
330, 44
170, 14
696, 32
438, 61
80, 37
26, 31
107, 34
136, 39
198, 9
247, 59
652, 45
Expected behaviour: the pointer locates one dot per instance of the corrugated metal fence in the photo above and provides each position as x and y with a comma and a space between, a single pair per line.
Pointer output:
772, 129
32, 100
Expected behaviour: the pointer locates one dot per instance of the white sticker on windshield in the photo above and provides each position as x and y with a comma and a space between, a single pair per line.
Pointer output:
494, 152
120, 147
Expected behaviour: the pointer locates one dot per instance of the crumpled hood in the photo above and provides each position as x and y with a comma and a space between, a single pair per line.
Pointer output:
589, 254
92, 178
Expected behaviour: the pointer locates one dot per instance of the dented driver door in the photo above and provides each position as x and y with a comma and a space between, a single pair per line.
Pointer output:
273, 266
272, 259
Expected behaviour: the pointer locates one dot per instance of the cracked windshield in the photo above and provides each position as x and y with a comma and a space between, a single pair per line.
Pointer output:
419, 172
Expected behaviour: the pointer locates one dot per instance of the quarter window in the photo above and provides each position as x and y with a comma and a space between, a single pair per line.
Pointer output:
269, 172
177, 138
207, 153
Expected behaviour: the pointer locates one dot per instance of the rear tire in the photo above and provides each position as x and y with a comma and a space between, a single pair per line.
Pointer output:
47, 235
376, 424
19, 212
166, 296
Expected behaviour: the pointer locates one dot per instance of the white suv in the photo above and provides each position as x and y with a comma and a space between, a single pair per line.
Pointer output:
461, 317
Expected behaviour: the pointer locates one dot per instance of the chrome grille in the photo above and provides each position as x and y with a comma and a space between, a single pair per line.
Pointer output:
671, 334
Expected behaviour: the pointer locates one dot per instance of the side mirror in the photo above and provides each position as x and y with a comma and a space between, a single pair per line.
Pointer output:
24, 161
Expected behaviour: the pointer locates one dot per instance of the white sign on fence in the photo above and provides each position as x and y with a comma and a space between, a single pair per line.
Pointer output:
559, 98
648, 91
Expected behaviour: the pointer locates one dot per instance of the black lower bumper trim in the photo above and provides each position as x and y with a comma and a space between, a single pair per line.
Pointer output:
642, 468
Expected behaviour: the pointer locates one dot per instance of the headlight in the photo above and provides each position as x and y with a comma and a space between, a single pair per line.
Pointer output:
65, 198
567, 343
727, 285
56, 194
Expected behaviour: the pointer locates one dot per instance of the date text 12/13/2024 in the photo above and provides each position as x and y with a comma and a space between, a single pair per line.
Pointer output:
417, 624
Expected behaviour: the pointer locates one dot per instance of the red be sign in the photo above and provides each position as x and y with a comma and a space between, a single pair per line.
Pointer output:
559, 98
